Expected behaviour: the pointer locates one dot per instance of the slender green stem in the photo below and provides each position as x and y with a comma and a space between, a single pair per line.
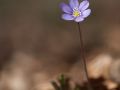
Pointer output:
83, 57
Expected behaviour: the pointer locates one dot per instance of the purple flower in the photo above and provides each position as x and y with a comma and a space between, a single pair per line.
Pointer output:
75, 11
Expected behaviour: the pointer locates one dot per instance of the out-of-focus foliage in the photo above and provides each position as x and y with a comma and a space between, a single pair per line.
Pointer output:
64, 84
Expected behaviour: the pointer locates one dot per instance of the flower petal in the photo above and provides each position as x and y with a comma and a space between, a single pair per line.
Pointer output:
86, 13
84, 5
74, 4
67, 17
65, 8
79, 19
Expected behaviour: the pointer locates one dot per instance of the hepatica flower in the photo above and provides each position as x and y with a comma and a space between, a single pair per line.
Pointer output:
75, 11
78, 12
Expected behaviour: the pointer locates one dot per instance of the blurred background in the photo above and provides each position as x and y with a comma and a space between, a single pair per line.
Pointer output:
36, 45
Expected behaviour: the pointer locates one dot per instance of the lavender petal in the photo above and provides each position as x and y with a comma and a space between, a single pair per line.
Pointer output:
67, 17
74, 4
79, 19
84, 5
86, 13
65, 8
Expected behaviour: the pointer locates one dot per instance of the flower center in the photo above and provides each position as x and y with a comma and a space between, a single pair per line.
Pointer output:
76, 13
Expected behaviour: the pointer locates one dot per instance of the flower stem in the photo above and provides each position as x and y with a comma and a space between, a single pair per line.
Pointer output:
83, 57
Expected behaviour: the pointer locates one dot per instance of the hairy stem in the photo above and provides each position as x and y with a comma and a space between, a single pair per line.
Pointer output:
83, 57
